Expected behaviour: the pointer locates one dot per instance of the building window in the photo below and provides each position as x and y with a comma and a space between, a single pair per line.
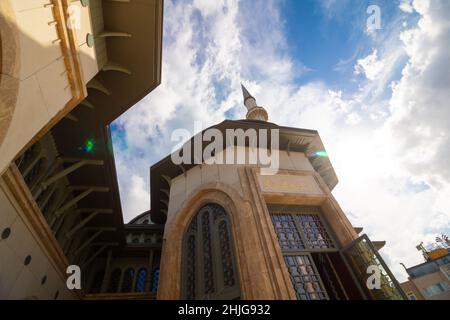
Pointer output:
287, 232
446, 270
437, 288
141, 280
114, 280
305, 278
300, 231
127, 282
155, 281
411, 296
209, 264
314, 232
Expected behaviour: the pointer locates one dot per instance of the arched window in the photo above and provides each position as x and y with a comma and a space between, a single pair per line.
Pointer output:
135, 240
97, 280
127, 282
209, 264
141, 280
114, 280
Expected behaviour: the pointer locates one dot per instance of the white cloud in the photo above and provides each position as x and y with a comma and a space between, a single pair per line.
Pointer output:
414, 141
381, 146
208, 7
353, 118
371, 66
406, 6
420, 100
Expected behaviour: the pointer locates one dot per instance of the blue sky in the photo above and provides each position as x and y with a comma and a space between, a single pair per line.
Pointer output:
321, 41
378, 98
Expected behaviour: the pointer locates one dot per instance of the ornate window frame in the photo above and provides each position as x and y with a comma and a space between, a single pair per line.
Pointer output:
299, 210
302, 246
138, 285
203, 249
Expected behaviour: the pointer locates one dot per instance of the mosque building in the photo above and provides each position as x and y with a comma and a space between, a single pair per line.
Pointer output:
215, 230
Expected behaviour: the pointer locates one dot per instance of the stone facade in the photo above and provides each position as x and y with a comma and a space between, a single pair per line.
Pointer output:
245, 194
29, 236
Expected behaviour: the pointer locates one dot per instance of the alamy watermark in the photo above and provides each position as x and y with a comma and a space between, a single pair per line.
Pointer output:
234, 146
373, 22
374, 280
74, 279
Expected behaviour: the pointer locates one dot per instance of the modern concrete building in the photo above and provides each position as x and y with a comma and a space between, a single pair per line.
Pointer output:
429, 280
68, 69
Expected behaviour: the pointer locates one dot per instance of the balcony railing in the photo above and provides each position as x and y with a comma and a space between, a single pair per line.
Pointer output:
360, 255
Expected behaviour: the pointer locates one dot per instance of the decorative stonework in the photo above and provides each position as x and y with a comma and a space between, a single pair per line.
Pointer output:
257, 113
331, 210
255, 240
251, 248
289, 183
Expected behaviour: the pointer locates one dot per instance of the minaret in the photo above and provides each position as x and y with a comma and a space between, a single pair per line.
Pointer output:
254, 112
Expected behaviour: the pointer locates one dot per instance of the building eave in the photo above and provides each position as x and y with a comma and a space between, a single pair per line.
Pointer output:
294, 139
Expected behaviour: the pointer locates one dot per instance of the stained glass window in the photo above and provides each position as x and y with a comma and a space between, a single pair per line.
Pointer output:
141, 280
155, 280
225, 252
286, 230
207, 254
314, 231
209, 266
114, 280
305, 278
190, 268
300, 230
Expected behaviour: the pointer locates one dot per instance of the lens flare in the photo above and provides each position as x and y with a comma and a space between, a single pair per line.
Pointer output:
88, 146
321, 153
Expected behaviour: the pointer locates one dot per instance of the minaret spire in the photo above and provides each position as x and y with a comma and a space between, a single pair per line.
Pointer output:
254, 112
245, 92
